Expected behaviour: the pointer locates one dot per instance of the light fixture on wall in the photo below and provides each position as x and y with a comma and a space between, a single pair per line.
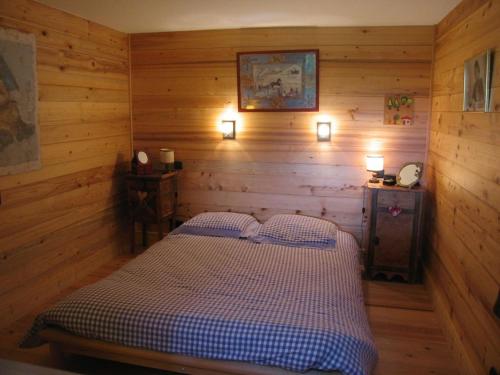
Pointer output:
324, 131
375, 164
228, 128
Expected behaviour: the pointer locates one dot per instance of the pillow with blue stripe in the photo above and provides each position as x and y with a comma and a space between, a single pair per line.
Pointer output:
297, 231
220, 224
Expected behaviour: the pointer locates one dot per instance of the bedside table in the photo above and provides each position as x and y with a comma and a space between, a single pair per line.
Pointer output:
395, 226
152, 199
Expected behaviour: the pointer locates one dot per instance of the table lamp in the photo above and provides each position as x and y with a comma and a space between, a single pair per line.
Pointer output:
375, 164
166, 159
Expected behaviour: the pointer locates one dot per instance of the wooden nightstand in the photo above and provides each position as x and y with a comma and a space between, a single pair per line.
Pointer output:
152, 199
394, 242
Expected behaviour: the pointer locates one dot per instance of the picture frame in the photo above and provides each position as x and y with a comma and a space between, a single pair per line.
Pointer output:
19, 127
399, 110
477, 82
278, 81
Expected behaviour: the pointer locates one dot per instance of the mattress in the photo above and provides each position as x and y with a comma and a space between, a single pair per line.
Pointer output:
230, 299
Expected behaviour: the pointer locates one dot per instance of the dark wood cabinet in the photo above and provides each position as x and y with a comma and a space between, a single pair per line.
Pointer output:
395, 219
152, 199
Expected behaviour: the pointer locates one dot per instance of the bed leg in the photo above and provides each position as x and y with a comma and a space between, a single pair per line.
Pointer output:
57, 356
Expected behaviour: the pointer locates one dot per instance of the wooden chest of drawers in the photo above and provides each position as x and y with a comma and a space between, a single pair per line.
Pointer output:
395, 220
152, 199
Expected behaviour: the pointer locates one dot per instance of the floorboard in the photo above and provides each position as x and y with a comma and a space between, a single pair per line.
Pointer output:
406, 330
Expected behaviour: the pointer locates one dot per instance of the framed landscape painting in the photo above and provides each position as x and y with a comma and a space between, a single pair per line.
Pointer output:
274, 81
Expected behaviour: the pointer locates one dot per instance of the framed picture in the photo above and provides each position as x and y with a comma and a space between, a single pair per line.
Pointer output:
278, 81
19, 131
398, 110
477, 82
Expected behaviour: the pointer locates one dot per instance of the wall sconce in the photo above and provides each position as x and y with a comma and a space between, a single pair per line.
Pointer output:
375, 164
228, 129
324, 131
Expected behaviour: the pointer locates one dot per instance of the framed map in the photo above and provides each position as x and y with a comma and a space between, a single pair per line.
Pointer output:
278, 81
19, 141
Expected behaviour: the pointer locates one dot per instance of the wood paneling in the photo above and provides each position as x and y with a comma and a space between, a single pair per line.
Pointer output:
463, 178
59, 223
183, 81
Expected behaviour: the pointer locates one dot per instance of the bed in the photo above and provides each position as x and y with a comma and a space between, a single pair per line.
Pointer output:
212, 304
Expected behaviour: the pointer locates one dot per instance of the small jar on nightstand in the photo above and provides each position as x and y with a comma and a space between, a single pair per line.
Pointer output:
394, 232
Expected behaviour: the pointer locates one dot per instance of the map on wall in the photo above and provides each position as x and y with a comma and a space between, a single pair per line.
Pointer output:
19, 141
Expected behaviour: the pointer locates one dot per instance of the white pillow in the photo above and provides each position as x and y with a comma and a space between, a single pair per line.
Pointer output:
220, 224
298, 231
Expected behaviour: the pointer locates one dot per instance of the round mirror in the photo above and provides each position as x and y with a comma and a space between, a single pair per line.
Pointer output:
409, 174
142, 157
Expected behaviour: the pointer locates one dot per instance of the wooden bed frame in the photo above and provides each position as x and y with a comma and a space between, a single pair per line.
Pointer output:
62, 343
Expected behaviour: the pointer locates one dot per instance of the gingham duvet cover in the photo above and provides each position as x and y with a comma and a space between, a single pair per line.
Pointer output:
230, 299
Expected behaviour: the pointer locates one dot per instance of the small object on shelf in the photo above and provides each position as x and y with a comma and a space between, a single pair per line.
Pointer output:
141, 164
409, 174
159, 167
389, 179
177, 165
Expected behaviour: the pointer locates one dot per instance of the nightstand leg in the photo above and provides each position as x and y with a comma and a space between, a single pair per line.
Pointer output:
132, 235
144, 235
57, 357
160, 230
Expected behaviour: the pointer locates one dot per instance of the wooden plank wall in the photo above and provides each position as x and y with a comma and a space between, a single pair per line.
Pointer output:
61, 222
183, 81
463, 175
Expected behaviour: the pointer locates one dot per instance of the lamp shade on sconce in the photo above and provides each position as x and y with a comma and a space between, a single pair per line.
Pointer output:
228, 129
324, 131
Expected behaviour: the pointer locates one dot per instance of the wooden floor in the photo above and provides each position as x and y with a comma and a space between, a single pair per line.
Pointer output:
406, 330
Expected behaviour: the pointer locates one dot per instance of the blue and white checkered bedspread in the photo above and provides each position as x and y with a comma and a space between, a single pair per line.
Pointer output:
231, 299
